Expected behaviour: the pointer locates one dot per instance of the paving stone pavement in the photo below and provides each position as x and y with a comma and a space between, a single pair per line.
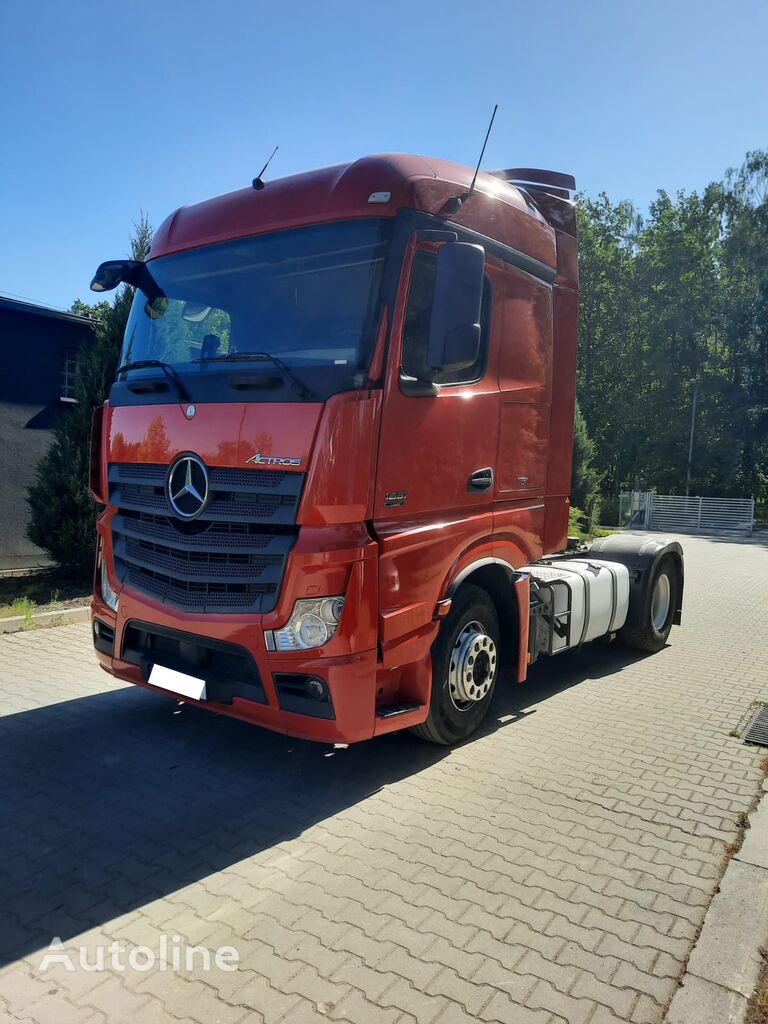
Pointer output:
554, 869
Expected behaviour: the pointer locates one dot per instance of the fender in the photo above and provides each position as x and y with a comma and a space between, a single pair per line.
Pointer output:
510, 592
473, 567
641, 554
483, 552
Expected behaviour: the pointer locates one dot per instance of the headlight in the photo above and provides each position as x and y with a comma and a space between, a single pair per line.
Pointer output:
107, 593
312, 624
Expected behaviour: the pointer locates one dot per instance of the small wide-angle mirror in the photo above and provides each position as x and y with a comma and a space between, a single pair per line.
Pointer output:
454, 328
195, 312
156, 307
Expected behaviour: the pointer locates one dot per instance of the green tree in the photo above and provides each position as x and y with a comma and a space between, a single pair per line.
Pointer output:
745, 286
607, 364
585, 478
670, 301
63, 513
678, 304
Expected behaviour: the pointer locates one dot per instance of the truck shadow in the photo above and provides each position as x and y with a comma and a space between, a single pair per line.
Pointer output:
757, 539
115, 800
551, 676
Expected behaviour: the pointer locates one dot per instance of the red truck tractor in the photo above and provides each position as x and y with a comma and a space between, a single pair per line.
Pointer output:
335, 460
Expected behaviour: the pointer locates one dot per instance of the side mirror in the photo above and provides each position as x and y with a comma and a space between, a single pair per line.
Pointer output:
454, 328
115, 272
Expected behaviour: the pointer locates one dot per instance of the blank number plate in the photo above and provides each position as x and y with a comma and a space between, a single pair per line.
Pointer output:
177, 682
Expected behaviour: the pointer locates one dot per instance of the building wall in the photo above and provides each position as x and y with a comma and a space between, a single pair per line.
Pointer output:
31, 353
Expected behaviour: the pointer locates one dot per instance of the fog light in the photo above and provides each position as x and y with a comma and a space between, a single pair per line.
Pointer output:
96, 627
315, 689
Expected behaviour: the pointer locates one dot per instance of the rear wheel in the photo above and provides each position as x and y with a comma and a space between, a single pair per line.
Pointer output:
652, 631
465, 666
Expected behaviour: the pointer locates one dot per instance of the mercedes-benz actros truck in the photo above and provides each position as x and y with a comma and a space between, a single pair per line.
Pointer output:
335, 461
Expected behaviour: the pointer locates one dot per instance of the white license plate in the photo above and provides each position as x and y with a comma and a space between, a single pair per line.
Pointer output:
177, 682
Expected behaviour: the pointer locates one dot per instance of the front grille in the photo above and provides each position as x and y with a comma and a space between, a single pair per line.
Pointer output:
239, 568
230, 559
239, 495
199, 596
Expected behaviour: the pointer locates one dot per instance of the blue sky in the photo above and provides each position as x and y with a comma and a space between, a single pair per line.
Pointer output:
110, 109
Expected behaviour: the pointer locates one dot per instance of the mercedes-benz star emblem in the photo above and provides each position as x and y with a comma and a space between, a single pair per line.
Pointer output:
187, 486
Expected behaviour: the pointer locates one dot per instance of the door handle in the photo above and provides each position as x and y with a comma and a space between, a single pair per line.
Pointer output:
481, 480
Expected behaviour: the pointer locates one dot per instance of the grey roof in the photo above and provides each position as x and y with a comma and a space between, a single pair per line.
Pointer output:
34, 309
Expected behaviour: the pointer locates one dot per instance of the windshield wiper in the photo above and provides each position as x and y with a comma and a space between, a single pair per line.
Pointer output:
168, 370
263, 357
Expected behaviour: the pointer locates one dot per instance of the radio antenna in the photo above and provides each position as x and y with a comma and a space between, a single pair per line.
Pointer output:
258, 182
482, 152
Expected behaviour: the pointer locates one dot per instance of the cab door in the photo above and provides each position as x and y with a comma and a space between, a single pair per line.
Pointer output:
523, 310
437, 450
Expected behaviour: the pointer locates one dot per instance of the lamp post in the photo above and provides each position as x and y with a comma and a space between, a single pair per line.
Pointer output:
693, 426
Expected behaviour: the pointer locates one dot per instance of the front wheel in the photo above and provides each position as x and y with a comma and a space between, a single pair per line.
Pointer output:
652, 631
465, 666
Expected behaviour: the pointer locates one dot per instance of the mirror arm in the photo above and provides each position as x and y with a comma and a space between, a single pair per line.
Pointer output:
413, 387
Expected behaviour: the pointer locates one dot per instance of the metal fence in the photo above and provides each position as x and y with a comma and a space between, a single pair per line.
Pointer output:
646, 510
633, 509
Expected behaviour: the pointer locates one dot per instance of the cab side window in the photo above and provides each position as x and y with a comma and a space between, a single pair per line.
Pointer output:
416, 327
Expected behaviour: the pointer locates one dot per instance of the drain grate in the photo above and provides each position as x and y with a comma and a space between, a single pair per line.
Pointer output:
757, 731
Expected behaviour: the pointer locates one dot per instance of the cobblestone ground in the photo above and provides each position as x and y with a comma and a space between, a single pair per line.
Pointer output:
556, 868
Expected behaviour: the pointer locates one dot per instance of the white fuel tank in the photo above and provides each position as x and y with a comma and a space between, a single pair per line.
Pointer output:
584, 599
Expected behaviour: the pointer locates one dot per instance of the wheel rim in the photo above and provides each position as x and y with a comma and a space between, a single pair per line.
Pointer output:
473, 666
660, 602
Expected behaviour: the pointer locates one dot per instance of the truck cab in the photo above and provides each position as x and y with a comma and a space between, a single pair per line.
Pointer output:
338, 440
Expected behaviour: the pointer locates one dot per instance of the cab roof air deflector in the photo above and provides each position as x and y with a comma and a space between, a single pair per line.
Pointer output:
536, 176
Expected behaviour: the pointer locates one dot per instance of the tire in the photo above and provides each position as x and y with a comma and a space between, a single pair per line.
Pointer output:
652, 631
465, 667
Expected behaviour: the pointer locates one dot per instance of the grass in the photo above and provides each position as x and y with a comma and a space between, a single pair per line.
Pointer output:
21, 606
757, 1010
577, 526
47, 589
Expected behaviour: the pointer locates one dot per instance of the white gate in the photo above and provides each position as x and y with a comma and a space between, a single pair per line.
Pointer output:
710, 515
633, 509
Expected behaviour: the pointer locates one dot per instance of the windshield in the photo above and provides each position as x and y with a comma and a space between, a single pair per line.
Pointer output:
295, 311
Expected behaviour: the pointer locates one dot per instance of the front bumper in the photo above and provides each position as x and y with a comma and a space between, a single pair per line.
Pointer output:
325, 560
350, 679
347, 664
